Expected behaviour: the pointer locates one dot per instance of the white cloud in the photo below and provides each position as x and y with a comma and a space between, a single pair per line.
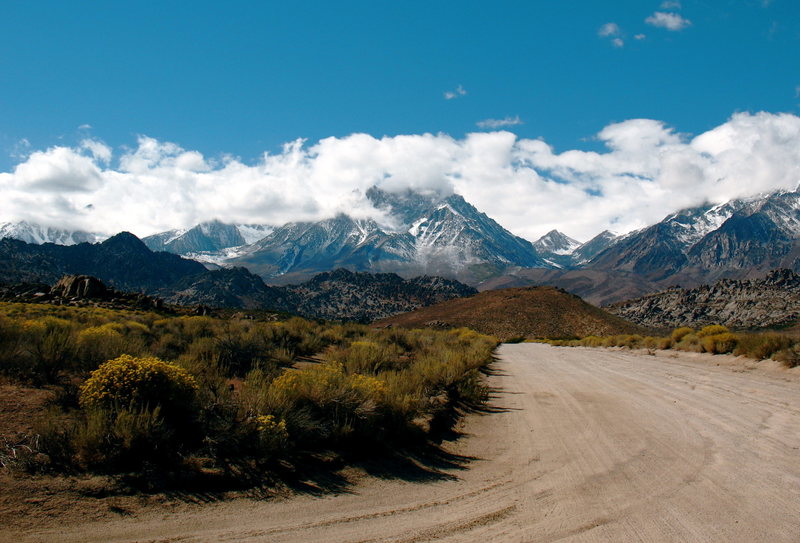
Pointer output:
459, 91
500, 123
646, 171
99, 150
618, 42
639, 37
670, 4
671, 21
797, 91
85, 127
608, 29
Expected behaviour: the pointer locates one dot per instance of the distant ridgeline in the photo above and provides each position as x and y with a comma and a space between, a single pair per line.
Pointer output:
126, 263
442, 236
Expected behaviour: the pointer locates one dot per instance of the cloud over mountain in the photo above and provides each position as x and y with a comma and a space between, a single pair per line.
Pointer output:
647, 171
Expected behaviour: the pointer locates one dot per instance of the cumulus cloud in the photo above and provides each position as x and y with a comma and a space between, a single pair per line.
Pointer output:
639, 37
608, 29
670, 4
458, 92
612, 31
499, 123
646, 171
671, 21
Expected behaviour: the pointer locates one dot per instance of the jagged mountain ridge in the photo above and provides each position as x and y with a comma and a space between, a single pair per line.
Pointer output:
439, 236
122, 261
39, 234
207, 241
697, 245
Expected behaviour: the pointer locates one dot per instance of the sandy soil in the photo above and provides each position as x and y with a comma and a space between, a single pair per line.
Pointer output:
582, 445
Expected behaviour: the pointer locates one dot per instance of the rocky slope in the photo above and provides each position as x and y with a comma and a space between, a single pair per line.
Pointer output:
78, 290
773, 300
336, 295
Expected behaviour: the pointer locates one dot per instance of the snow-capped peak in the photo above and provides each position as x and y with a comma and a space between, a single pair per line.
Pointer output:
554, 242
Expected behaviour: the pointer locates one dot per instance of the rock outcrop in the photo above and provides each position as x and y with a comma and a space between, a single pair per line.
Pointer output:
78, 290
754, 303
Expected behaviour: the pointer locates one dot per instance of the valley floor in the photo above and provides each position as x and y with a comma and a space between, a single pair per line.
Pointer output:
578, 445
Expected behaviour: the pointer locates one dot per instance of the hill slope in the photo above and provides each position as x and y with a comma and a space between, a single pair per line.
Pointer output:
754, 303
121, 261
530, 312
336, 295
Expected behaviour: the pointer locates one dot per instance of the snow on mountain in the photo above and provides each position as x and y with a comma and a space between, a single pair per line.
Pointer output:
208, 241
433, 235
254, 232
712, 241
554, 242
38, 234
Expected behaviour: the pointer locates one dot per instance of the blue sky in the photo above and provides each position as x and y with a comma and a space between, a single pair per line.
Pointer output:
241, 78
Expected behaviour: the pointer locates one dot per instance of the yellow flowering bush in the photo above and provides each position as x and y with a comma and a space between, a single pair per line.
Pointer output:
128, 381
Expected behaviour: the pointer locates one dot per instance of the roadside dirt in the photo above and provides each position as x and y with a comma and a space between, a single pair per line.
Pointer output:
578, 445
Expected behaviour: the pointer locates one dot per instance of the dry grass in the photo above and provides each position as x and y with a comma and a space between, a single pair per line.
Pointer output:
510, 314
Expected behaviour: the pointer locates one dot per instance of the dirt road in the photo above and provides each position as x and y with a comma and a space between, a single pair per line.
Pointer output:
586, 445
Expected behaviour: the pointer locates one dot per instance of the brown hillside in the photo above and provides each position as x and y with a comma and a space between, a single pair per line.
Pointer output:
532, 312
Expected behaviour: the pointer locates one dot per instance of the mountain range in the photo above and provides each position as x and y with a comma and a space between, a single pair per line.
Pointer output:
126, 264
447, 236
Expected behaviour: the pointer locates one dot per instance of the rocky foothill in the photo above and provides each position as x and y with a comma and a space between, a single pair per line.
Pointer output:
742, 304
78, 290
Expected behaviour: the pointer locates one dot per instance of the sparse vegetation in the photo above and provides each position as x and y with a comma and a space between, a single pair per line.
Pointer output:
714, 339
138, 392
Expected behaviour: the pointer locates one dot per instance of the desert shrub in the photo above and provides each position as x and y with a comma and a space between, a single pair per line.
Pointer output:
49, 343
238, 353
96, 344
689, 342
650, 342
633, 341
126, 438
712, 330
721, 343
761, 346
127, 382
366, 357
338, 404
271, 436
789, 357
679, 333
10, 345
168, 346
592, 341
